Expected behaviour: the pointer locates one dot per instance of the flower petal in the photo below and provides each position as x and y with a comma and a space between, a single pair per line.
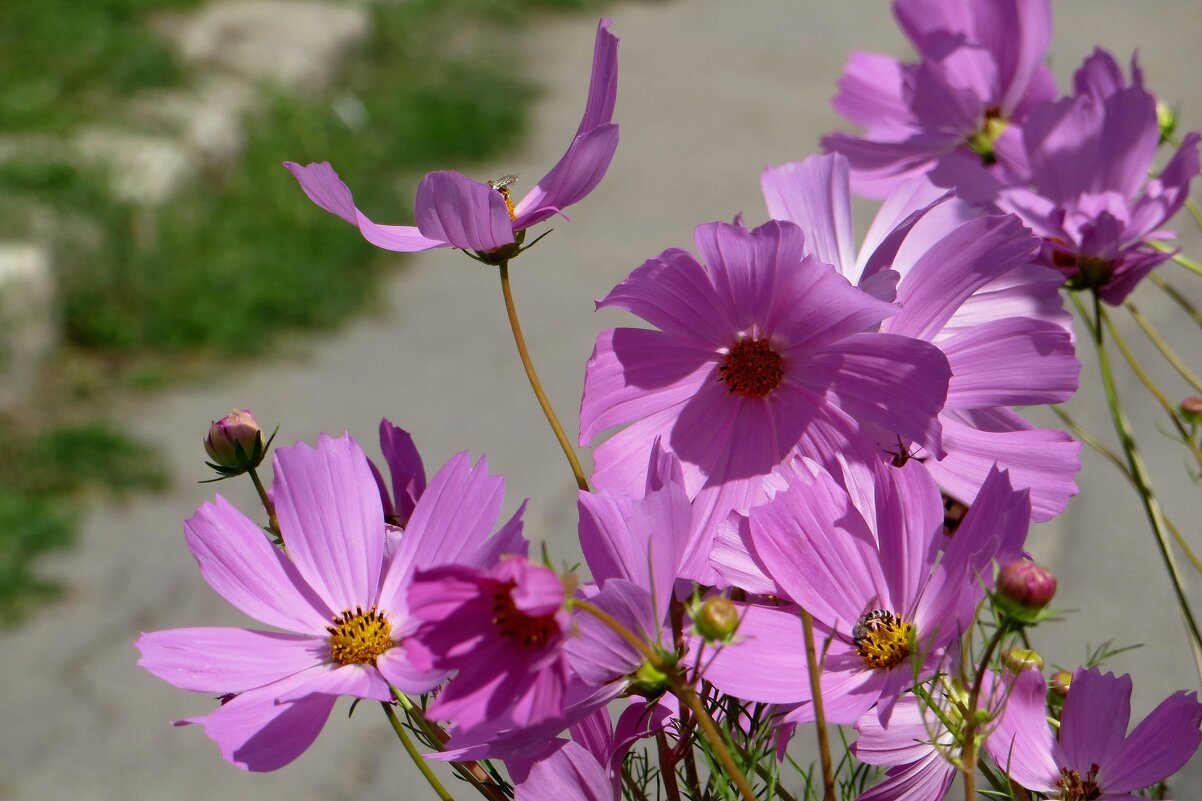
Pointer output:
218, 661
1158, 747
331, 519
326, 189
1014, 362
468, 214
814, 195
256, 732
1094, 722
575, 175
255, 577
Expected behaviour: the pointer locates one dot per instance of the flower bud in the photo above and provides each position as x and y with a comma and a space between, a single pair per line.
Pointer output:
1017, 660
717, 619
1166, 118
1191, 410
235, 443
1026, 584
1058, 685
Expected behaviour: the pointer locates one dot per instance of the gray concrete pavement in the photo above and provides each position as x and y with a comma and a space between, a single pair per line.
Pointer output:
710, 92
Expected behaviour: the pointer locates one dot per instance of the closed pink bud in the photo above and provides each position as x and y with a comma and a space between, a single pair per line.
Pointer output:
1026, 584
235, 441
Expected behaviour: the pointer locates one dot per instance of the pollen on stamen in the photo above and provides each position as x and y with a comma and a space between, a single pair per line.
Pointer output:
513, 624
359, 638
752, 368
882, 639
1075, 787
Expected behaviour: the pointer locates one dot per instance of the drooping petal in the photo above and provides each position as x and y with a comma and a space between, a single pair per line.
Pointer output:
331, 519
219, 661
256, 732
1158, 747
255, 577
871, 93
468, 214
326, 189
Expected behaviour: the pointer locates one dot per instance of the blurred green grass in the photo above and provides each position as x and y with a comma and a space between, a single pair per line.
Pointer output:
239, 258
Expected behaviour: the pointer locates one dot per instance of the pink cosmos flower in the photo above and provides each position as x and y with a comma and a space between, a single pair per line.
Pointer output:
456, 211
1079, 179
863, 563
502, 630
1094, 757
341, 601
982, 69
760, 353
967, 285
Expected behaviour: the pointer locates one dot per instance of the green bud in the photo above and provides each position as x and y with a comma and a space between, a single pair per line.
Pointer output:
1191, 410
1058, 685
717, 619
649, 681
1017, 660
1166, 118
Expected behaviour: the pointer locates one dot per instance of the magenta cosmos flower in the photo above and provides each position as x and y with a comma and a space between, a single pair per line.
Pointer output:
1094, 758
1080, 180
760, 353
982, 69
339, 597
965, 282
456, 211
863, 564
502, 630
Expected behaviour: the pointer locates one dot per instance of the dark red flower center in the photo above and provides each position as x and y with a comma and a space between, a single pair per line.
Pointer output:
882, 639
1075, 788
359, 638
752, 368
529, 631
953, 515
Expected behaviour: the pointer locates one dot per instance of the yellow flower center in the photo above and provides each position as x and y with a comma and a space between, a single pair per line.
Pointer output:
882, 639
752, 368
527, 630
982, 141
359, 638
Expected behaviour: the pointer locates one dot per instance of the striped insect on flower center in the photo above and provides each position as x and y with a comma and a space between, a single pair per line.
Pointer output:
882, 639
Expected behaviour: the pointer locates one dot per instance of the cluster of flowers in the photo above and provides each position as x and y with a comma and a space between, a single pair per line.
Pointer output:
819, 474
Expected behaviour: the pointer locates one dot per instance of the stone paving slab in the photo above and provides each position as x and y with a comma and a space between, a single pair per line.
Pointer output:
710, 92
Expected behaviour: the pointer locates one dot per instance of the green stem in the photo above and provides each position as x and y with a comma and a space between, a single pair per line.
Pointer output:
1150, 385
1083, 435
1169, 354
1194, 212
1139, 473
968, 753
469, 771
815, 670
681, 689
418, 759
537, 385
1181, 300
272, 520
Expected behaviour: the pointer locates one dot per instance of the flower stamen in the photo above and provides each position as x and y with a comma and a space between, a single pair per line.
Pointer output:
752, 368
882, 639
526, 630
359, 638
1075, 788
